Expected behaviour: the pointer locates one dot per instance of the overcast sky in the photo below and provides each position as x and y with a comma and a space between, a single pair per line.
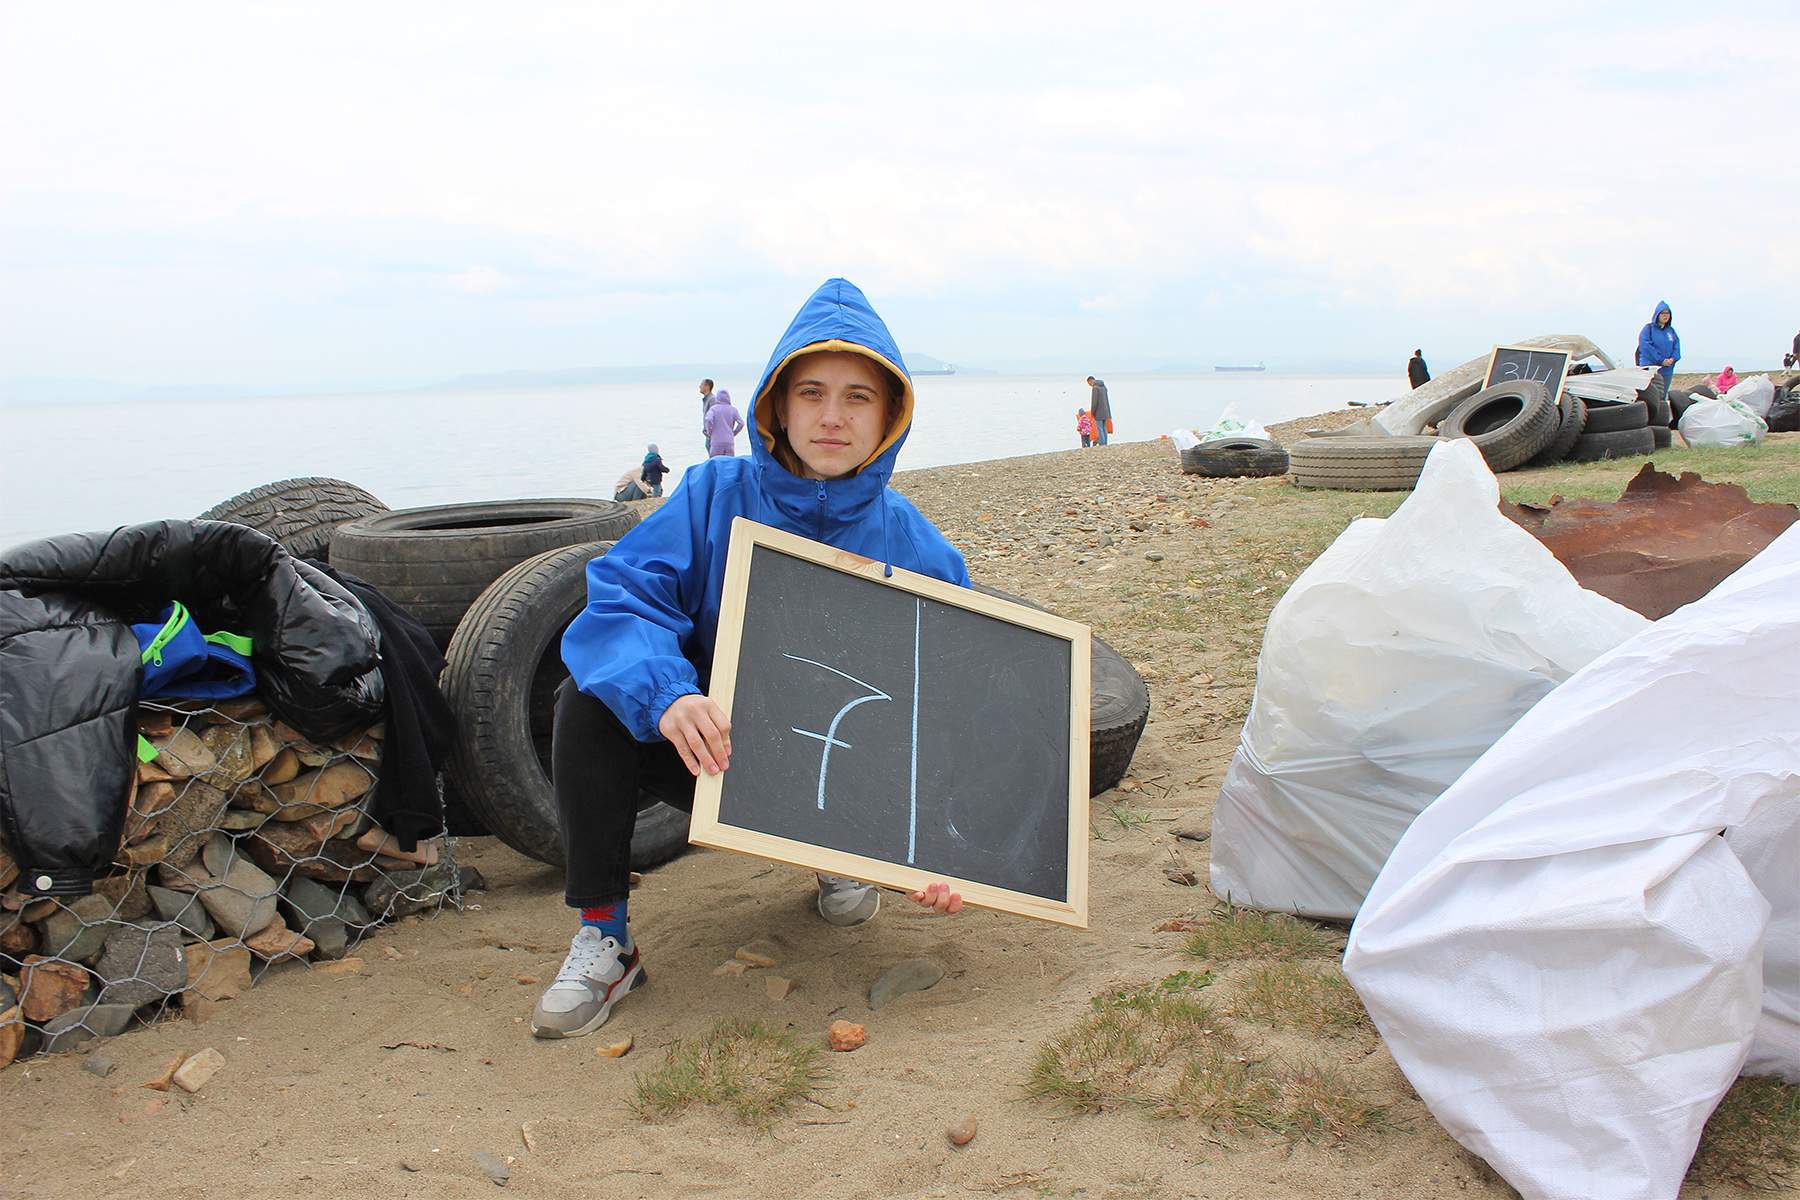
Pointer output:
344, 194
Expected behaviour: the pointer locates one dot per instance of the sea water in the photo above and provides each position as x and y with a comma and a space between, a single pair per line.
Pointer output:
69, 467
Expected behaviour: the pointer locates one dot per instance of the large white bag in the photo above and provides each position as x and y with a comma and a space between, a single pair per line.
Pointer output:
1563, 955
1756, 393
1721, 423
1391, 664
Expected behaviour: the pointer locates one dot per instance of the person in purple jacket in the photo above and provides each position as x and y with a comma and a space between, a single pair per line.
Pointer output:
722, 426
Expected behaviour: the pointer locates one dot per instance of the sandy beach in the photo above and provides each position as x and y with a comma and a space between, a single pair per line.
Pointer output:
389, 1081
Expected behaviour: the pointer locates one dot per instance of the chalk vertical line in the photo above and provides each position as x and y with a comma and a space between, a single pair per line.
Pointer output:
912, 826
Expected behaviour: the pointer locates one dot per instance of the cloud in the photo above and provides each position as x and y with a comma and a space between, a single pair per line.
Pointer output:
1013, 176
479, 281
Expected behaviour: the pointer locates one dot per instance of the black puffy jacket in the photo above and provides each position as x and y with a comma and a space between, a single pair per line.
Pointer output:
69, 670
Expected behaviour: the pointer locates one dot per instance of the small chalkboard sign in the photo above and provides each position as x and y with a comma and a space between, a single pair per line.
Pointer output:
1548, 367
899, 730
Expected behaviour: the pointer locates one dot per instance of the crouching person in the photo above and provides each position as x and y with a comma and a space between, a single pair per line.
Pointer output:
826, 422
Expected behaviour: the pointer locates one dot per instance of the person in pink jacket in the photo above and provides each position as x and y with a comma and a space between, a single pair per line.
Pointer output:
723, 424
1726, 380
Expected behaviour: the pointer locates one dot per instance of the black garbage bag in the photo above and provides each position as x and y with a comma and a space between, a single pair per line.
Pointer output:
1784, 413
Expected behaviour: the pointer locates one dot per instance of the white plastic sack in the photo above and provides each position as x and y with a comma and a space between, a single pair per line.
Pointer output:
1756, 393
1230, 425
1565, 958
1391, 664
1721, 422
1184, 439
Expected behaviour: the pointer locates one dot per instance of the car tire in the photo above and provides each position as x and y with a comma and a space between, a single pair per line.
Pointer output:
505, 664
1235, 458
1119, 706
1508, 422
1663, 436
435, 561
1361, 462
299, 513
1445, 405
1571, 423
1620, 443
1603, 417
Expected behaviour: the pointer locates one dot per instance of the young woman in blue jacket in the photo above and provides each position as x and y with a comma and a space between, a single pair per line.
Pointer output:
827, 421
1659, 345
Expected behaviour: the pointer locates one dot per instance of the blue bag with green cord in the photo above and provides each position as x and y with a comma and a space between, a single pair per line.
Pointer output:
181, 661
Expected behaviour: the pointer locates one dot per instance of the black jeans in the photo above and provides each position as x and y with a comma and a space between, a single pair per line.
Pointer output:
599, 770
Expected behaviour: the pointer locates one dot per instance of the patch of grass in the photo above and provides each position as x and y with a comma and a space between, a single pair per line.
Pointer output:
1291, 995
1770, 471
1162, 1048
1241, 933
1317, 1102
1221, 1087
1107, 1057
1752, 1140
1127, 819
752, 1071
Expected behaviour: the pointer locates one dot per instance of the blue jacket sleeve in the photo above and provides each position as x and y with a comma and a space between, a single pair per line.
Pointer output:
1646, 351
1676, 352
625, 647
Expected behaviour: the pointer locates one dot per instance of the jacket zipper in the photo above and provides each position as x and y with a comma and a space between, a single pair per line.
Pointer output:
178, 617
821, 536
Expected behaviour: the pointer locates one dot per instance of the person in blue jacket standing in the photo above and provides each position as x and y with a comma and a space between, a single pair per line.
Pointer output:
827, 421
1659, 345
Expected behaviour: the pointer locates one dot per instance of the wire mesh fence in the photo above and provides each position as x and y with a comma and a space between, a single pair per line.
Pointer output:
247, 848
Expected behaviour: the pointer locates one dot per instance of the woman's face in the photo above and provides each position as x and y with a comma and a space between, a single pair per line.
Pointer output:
1664, 317
835, 411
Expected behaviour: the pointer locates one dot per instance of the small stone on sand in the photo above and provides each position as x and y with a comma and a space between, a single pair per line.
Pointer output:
846, 1035
614, 1049
757, 954
962, 1132
913, 975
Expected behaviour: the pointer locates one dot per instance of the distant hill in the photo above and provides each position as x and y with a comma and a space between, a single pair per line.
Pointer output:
916, 362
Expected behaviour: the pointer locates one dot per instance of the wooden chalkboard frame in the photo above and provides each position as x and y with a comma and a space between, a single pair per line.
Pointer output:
1487, 378
707, 830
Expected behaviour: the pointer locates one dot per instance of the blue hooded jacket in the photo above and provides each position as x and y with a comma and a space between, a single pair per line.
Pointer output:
647, 634
1656, 343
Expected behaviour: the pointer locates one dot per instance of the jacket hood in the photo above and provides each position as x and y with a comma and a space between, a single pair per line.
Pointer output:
1662, 306
836, 317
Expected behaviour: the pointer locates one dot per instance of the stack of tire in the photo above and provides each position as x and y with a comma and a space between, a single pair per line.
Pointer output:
1230, 458
1514, 424
454, 566
497, 583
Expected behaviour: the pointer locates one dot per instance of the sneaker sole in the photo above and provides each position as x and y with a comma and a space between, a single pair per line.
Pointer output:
632, 981
850, 919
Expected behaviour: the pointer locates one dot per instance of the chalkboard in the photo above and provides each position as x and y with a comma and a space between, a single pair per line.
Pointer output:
899, 730
1548, 367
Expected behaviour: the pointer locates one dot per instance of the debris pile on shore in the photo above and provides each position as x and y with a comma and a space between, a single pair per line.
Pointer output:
244, 845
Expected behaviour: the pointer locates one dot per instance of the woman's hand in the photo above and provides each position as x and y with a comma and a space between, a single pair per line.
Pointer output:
700, 733
938, 898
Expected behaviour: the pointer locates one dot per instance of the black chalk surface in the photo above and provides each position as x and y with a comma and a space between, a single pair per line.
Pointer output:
873, 721
1548, 367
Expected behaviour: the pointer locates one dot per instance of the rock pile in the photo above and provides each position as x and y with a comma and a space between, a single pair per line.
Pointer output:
245, 845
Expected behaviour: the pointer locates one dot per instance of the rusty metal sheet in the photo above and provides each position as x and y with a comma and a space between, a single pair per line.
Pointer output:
1664, 543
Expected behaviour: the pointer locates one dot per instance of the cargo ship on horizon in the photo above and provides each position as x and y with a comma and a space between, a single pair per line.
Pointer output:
1250, 367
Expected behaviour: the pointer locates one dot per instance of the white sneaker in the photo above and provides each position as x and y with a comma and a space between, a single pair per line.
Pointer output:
596, 975
847, 901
